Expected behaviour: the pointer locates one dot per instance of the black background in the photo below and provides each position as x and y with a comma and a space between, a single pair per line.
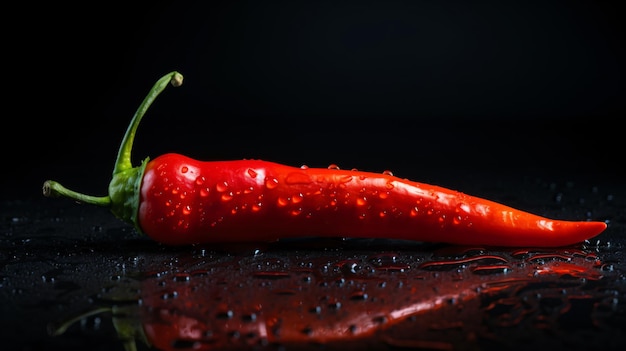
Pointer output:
434, 91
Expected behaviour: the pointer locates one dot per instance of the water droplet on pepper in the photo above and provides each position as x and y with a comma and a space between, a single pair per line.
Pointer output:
252, 173
204, 192
297, 198
296, 211
221, 187
200, 180
271, 183
187, 210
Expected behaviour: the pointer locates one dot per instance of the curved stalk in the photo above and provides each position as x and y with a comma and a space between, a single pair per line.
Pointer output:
54, 189
125, 179
123, 161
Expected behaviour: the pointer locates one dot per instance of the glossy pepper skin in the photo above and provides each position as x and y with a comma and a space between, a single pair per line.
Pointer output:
177, 200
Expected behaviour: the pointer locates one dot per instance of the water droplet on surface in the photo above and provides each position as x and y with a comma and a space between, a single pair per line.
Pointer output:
181, 277
184, 169
558, 197
316, 310
271, 183
387, 172
250, 317
457, 220
187, 210
252, 173
359, 296
227, 196
296, 211
282, 202
225, 314
333, 167
297, 198
170, 295
334, 305
221, 187
200, 180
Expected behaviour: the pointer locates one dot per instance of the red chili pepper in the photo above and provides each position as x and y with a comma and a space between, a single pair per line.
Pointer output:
177, 200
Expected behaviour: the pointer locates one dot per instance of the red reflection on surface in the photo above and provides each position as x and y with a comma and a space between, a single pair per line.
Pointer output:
567, 268
336, 298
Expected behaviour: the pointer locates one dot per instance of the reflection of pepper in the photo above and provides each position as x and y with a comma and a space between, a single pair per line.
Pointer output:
178, 200
375, 301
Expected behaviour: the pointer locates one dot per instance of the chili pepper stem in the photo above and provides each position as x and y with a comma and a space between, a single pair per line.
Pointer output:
58, 329
123, 161
125, 322
54, 189
124, 186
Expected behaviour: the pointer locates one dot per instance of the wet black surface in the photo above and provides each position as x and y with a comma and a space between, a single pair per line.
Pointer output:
60, 259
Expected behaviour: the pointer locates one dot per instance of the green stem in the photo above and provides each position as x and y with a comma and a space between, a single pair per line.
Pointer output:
122, 197
123, 161
54, 189
56, 330
127, 325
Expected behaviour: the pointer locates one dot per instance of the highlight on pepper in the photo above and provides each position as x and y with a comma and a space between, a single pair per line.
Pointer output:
178, 200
